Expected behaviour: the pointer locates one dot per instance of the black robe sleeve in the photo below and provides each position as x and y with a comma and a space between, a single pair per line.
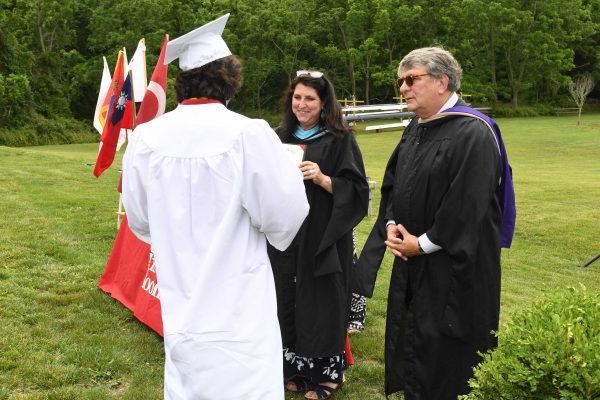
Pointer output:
373, 251
350, 198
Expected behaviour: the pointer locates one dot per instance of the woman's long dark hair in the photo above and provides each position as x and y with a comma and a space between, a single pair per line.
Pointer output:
331, 117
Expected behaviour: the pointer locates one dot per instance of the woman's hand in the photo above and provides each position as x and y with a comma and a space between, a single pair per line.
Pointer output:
312, 172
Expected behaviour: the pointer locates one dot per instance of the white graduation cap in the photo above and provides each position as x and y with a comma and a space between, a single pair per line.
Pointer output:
200, 46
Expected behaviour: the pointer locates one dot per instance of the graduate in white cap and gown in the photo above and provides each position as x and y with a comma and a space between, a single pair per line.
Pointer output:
207, 187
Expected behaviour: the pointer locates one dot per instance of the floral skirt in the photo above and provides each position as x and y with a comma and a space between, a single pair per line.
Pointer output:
358, 310
358, 303
318, 369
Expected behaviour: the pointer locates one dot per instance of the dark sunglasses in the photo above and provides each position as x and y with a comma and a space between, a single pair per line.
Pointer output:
410, 79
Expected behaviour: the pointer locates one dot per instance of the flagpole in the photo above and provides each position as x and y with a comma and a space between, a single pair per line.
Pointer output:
120, 212
120, 203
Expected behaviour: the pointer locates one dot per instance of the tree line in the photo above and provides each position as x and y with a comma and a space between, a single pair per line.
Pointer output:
519, 52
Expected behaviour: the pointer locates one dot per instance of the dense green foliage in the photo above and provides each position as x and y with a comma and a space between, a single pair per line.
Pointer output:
515, 51
549, 352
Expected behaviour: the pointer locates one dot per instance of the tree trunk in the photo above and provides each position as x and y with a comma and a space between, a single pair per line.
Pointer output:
493, 63
391, 59
258, 101
350, 61
352, 79
517, 86
513, 100
511, 79
40, 28
367, 101
367, 81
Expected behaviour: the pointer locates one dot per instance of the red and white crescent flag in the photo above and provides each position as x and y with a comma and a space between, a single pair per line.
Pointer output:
155, 99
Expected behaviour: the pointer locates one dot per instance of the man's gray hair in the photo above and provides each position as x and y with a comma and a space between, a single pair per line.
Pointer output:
437, 61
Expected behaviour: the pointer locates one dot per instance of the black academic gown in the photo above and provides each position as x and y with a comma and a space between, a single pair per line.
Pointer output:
442, 180
312, 276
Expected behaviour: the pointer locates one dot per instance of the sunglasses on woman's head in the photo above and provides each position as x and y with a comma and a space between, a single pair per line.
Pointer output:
312, 74
410, 79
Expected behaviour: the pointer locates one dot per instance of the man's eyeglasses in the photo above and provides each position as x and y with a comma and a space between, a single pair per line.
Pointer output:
410, 79
312, 74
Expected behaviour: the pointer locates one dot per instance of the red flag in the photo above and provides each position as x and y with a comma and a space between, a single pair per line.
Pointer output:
120, 100
130, 277
155, 98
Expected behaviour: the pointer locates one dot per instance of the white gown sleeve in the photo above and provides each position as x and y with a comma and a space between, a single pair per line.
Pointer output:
134, 187
273, 191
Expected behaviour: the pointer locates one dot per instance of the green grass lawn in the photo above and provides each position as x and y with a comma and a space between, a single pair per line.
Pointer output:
61, 338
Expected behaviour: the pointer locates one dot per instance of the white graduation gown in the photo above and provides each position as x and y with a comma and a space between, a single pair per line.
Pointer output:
205, 186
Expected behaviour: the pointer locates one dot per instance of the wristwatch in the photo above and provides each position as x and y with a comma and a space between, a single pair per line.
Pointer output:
421, 252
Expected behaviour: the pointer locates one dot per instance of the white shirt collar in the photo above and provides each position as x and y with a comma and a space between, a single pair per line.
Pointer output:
450, 103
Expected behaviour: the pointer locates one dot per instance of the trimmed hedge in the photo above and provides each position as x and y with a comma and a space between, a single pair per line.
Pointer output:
551, 351
42, 131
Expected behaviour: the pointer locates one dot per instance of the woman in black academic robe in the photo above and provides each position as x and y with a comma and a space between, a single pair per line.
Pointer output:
312, 276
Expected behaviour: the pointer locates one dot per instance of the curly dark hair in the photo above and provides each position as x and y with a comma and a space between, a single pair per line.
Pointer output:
331, 116
218, 80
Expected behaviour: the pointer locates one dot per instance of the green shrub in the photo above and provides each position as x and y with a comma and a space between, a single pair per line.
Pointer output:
505, 110
42, 131
15, 99
551, 351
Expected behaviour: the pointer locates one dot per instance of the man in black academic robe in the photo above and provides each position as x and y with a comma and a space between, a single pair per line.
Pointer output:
441, 216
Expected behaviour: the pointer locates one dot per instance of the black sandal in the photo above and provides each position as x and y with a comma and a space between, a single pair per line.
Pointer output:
302, 383
324, 391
